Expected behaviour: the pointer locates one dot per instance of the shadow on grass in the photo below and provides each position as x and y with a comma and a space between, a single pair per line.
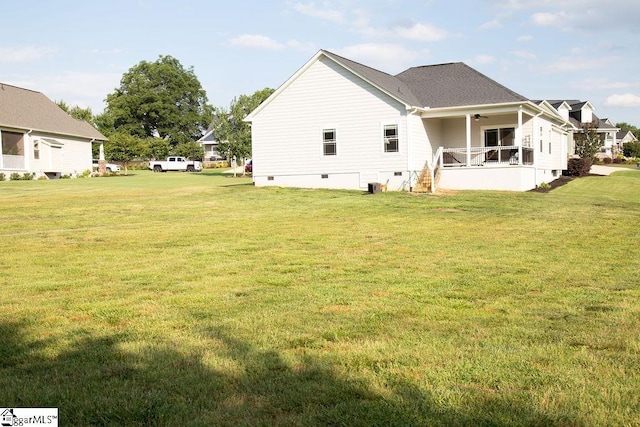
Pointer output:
98, 382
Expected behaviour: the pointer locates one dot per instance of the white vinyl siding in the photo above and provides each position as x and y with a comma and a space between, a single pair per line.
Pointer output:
285, 134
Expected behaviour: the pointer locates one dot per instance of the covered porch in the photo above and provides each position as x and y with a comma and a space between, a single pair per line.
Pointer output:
490, 147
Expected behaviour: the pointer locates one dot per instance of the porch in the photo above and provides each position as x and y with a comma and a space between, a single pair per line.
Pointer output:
508, 167
511, 155
12, 162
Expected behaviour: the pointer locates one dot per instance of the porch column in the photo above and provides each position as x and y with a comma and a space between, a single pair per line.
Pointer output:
468, 120
27, 148
102, 164
518, 135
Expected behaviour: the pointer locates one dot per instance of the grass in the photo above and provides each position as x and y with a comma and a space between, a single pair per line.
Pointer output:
173, 299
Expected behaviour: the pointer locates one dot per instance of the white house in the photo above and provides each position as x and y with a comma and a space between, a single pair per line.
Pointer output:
209, 144
37, 136
340, 124
580, 113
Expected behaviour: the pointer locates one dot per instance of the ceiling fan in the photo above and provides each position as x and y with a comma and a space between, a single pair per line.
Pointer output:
477, 117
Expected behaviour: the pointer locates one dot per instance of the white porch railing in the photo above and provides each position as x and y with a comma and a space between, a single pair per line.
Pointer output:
8, 161
486, 156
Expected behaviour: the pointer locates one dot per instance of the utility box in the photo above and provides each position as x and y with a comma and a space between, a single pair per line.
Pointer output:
375, 187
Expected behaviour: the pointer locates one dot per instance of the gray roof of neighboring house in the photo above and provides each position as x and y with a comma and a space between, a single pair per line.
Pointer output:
30, 110
623, 133
445, 85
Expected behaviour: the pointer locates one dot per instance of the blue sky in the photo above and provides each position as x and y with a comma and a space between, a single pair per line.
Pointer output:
77, 51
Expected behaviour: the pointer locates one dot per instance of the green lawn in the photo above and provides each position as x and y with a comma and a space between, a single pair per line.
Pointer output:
197, 299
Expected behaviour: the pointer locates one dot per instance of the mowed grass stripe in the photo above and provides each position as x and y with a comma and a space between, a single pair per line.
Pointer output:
200, 299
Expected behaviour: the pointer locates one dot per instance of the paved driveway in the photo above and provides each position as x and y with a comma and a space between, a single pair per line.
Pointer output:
604, 170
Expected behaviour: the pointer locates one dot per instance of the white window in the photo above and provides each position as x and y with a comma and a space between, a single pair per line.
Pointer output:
329, 147
391, 139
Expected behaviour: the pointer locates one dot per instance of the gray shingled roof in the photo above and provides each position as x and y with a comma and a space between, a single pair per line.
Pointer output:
26, 109
444, 85
455, 84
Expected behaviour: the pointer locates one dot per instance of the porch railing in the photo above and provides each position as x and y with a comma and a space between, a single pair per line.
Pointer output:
8, 161
484, 156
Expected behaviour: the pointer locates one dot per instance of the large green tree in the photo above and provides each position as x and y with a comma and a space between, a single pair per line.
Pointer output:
231, 131
78, 112
158, 99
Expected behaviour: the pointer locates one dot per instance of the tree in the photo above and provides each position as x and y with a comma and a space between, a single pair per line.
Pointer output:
157, 148
191, 150
588, 141
631, 149
159, 99
231, 131
124, 148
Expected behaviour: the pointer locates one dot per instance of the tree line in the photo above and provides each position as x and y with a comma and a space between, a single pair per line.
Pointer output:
160, 109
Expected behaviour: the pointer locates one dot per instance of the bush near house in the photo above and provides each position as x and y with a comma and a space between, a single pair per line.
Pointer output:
578, 167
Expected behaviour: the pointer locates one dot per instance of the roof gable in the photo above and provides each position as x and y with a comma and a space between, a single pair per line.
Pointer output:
432, 86
30, 110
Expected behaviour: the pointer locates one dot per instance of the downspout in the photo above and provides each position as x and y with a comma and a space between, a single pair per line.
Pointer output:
410, 112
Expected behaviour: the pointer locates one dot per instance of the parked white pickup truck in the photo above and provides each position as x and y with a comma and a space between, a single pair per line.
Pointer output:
175, 163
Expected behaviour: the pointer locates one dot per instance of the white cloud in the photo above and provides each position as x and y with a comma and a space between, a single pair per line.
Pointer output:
25, 53
323, 12
523, 54
420, 32
600, 83
489, 25
547, 19
302, 47
256, 41
624, 100
387, 57
575, 63
523, 39
482, 59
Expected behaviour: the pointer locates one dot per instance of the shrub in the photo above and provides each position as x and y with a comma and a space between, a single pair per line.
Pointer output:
618, 160
578, 167
15, 176
2, 176
606, 160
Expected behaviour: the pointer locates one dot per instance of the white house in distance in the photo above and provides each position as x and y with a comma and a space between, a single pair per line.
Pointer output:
37, 136
578, 114
340, 124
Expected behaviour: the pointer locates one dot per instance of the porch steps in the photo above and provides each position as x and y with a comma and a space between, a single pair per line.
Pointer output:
423, 184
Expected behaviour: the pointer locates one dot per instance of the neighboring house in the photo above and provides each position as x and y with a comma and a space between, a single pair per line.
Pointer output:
579, 113
39, 137
209, 144
340, 124
624, 137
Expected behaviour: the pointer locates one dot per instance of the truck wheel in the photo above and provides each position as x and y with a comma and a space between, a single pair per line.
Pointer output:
157, 168
191, 169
